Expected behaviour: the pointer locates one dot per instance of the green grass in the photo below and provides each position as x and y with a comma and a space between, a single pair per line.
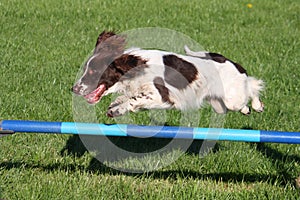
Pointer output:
42, 46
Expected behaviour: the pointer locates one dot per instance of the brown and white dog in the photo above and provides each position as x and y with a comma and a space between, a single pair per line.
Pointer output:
155, 79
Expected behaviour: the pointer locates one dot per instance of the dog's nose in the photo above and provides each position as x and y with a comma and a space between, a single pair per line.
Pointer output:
76, 89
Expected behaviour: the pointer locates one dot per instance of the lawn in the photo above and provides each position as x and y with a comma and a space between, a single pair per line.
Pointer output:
42, 47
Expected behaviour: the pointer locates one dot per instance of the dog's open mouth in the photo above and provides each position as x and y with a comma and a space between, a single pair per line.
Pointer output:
95, 96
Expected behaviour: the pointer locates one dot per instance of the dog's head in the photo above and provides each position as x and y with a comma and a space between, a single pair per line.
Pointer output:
105, 67
98, 73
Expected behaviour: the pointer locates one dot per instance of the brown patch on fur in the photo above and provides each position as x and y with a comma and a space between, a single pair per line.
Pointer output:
125, 64
221, 59
216, 57
124, 67
162, 89
240, 68
178, 72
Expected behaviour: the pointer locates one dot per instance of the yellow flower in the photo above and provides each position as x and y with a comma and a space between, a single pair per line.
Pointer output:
249, 5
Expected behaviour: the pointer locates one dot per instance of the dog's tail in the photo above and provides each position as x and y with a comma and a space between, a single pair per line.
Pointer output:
199, 54
255, 86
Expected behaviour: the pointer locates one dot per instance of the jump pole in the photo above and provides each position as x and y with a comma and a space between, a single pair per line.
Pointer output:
8, 127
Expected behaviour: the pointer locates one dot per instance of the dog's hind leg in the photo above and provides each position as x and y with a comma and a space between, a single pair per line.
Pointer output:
257, 105
218, 105
255, 86
236, 99
238, 105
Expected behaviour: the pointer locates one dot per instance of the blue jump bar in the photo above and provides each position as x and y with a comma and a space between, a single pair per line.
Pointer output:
150, 131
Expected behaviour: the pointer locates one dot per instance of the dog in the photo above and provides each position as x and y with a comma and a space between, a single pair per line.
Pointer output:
155, 79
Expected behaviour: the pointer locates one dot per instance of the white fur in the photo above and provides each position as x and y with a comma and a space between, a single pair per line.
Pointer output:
220, 84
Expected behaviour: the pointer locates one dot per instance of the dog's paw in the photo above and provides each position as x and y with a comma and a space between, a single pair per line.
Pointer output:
246, 110
259, 107
112, 114
118, 101
116, 111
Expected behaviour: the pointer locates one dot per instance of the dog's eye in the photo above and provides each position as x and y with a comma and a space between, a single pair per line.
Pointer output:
90, 71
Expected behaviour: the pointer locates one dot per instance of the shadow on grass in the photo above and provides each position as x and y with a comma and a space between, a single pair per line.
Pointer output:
75, 147
279, 160
98, 167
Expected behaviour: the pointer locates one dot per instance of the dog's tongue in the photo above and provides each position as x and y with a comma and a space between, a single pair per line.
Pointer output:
95, 96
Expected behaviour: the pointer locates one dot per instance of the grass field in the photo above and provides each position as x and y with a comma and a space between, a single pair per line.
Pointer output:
42, 46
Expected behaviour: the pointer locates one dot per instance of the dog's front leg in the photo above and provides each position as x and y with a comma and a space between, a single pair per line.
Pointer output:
148, 98
123, 104
118, 107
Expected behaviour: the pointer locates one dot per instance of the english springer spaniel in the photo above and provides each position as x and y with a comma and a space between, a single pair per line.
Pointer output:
155, 79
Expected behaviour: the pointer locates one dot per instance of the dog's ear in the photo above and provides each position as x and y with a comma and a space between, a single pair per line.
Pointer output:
109, 42
103, 36
130, 65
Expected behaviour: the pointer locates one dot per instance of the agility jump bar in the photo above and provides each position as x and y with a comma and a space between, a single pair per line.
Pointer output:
124, 130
